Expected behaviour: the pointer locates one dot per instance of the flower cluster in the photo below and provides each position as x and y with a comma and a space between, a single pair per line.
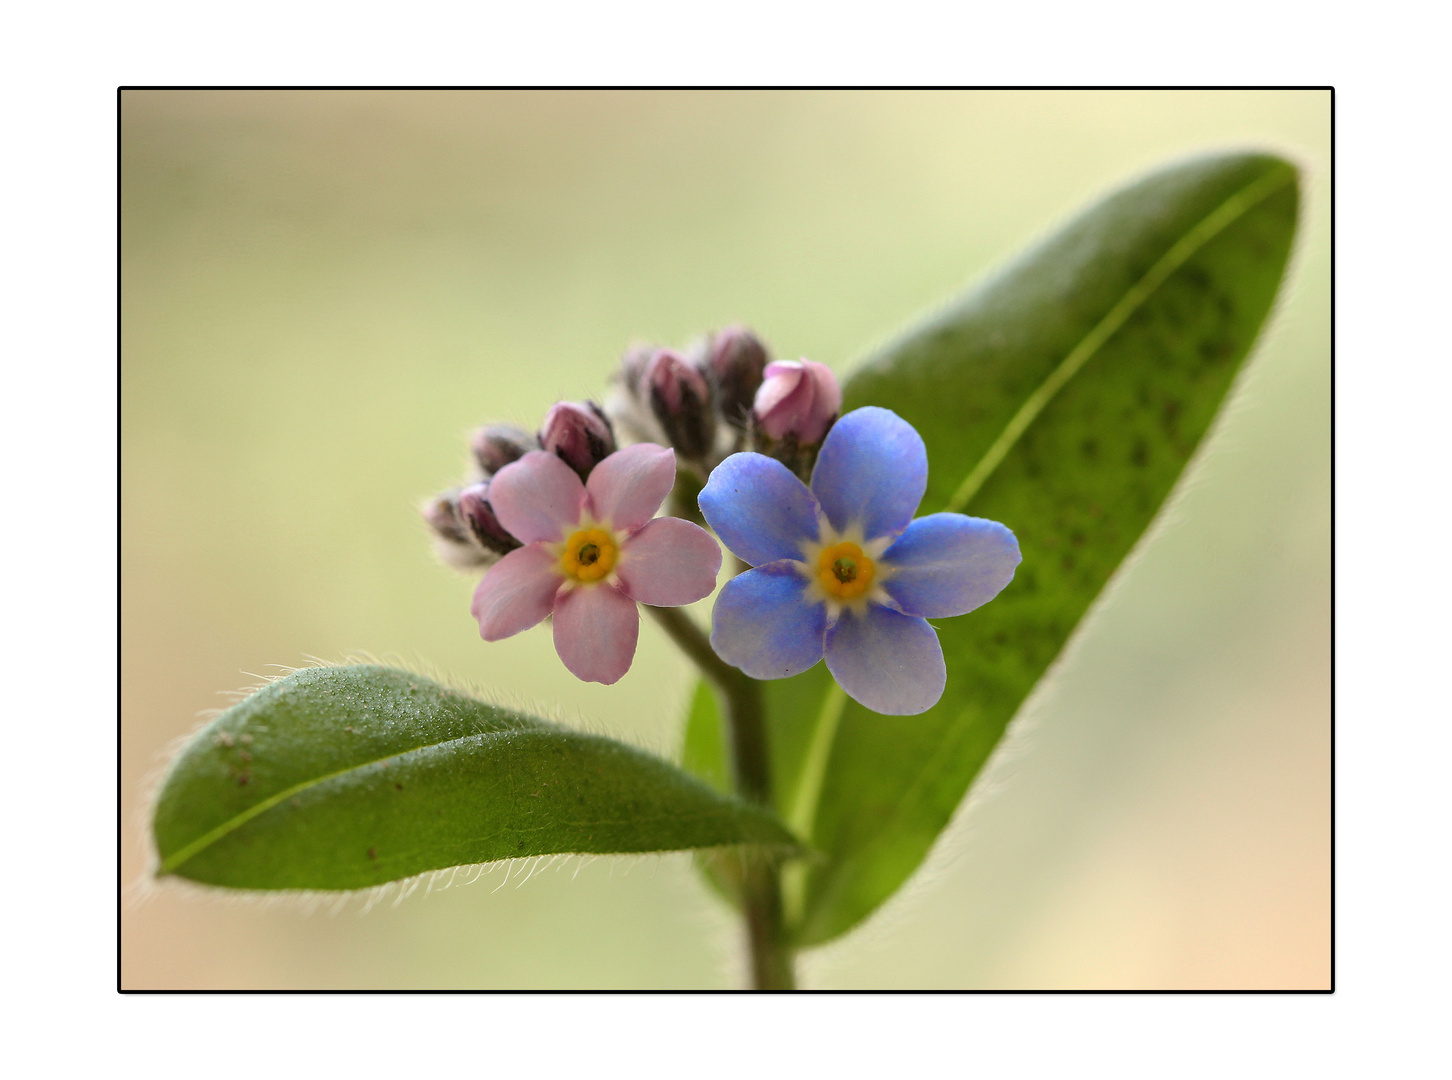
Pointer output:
721, 395
839, 570
842, 570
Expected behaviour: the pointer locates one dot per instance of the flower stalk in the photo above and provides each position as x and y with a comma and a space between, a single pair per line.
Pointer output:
761, 897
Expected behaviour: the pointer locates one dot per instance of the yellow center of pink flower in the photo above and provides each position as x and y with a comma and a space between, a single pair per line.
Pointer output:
844, 572
589, 555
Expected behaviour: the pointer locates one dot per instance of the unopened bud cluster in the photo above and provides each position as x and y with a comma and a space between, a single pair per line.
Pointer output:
467, 534
721, 395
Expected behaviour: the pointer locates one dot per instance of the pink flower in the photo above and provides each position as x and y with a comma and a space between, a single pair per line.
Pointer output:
797, 397
591, 551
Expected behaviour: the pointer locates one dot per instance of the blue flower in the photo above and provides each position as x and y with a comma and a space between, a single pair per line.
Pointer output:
843, 570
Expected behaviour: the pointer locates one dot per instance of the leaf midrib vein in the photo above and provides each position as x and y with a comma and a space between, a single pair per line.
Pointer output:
235, 822
1239, 204
1179, 253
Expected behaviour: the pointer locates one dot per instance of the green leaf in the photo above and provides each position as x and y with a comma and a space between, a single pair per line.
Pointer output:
1064, 398
346, 777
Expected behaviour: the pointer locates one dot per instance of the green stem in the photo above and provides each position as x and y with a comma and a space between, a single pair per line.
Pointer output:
771, 956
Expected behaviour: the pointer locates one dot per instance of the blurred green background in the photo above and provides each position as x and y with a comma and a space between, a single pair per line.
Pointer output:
324, 291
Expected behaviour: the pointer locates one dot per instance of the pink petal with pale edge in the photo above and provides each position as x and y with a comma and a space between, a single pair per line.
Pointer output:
517, 592
668, 563
595, 631
779, 381
627, 488
538, 497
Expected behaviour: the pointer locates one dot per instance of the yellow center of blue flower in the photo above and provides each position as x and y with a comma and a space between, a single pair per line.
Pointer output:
844, 572
589, 555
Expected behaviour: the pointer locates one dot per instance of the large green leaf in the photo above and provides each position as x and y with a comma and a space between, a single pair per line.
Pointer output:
345, 777
1063, 398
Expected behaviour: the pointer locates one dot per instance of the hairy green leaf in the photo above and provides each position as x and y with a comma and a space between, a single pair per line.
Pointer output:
1064, 398
346, 777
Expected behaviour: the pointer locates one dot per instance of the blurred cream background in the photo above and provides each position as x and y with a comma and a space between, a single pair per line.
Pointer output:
323, 292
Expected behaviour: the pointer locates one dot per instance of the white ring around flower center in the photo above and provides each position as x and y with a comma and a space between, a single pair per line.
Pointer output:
829, 537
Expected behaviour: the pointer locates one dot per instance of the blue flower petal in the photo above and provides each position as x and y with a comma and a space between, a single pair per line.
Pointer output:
873, 470
759, 509
889, 662
764, 625
948, 564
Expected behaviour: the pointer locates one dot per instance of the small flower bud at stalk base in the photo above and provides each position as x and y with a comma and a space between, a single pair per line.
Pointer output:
579, 435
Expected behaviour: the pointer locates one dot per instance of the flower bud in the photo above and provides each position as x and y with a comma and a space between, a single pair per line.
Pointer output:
736, 360
680, 398
478, 516
453, 542
443, 518
499, 445
798, 399
633, 362
579, 435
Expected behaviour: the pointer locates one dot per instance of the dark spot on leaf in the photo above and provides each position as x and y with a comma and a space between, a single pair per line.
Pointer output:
1214, 350
1090, 448
373, 853
243, 779
1068, 561
1077, 538
398, 787
1139, 456
519, 845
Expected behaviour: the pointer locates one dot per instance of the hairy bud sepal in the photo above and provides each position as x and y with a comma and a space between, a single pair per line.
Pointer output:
467, 535
499, 445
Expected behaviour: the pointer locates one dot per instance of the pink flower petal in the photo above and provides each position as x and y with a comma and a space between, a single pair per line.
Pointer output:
595, 631
517, 592
780, 380
668, 563
627, 488
537, 497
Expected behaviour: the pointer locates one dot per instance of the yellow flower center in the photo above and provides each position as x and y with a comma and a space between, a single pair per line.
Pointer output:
589, 555
844, 571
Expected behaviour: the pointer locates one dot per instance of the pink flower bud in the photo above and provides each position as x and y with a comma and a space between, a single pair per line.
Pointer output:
476, 513
736, 360
798, 398
579, 435
680, 398
499, 445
